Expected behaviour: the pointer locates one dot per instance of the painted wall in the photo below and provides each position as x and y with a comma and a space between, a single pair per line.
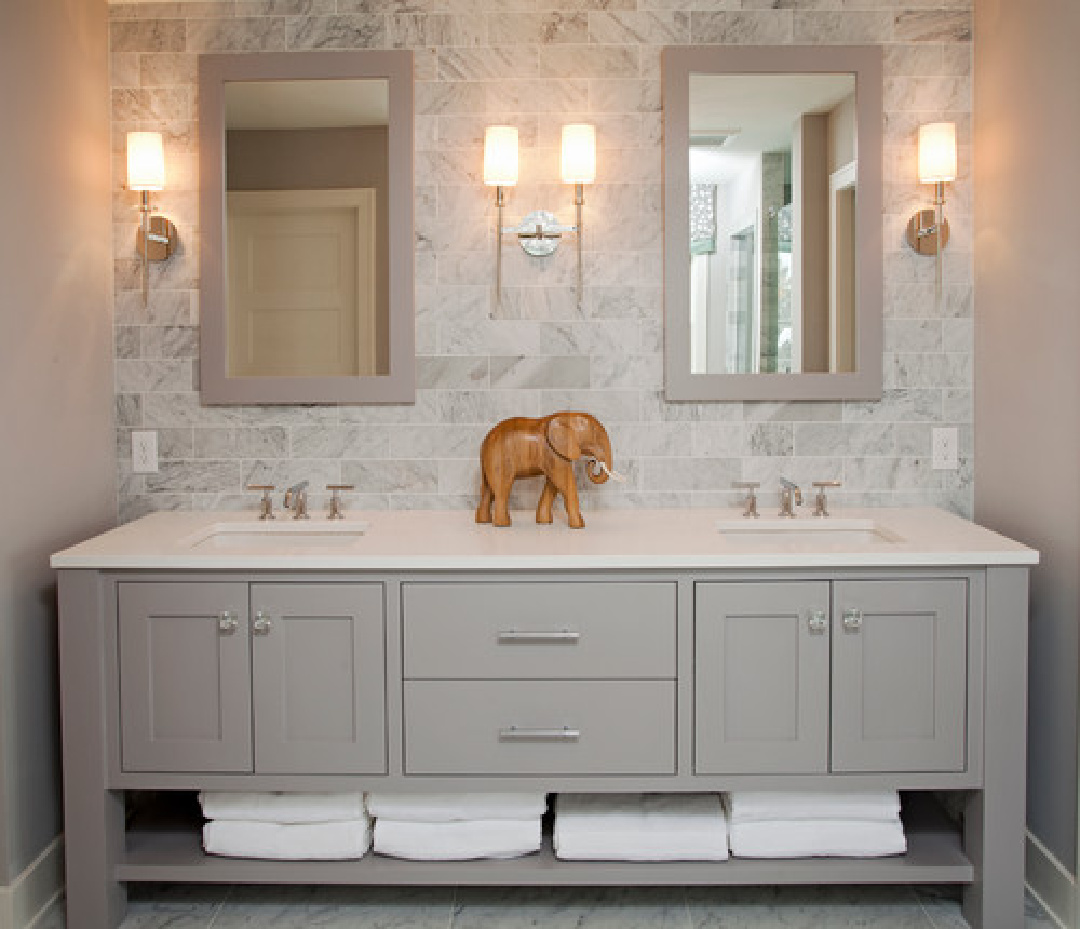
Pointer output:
539, 66
1028, 379
56, 387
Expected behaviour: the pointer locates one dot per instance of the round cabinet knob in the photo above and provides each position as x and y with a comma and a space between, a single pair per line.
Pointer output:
818, 622
227, 622
262, 624
852, 620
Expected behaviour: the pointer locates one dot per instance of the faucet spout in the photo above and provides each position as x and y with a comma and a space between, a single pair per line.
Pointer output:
790, 497
296, 500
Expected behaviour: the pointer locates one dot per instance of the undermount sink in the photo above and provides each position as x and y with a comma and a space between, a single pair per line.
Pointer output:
807, 530
279, 536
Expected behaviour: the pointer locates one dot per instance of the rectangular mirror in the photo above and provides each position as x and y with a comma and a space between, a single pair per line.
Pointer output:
772, 222
307, 234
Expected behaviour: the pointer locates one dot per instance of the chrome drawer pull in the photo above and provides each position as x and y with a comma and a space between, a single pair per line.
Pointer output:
559, 637
227, 622
514, 734
852, 620
818, 622
262, 624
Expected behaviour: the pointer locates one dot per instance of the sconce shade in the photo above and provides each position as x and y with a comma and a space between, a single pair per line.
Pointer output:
937, 153
578, 153
500, 156
145, 161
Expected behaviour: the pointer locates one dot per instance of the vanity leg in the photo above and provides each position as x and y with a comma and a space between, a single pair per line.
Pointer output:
994, 819
93, 815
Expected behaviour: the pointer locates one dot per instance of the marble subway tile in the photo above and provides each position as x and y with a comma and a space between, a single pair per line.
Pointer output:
589, 61
489, 64
156, 35
716, 440
445, 371
627, 371
349, 440
933, 26
344, 32
392, 476
756, 27
626, 95
194, 476
849, 26
251, 34
284, 7
645, 28
167, 68
247, 442
141, 375
538, 372
537, 27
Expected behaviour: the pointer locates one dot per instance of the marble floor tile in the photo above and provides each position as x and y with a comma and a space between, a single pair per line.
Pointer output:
806, 908
335, 908
570, 908
942, 905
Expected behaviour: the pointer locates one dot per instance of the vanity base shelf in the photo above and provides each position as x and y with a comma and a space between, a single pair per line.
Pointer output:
173, 852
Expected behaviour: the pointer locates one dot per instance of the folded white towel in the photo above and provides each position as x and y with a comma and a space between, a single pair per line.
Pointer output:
457, 841
640, 827
278, 807
298, 841
809, 838
454, 807
745, 806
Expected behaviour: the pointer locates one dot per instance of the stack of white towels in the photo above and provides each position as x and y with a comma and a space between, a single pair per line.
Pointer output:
784, 824
640, 827
457, 827
286, 826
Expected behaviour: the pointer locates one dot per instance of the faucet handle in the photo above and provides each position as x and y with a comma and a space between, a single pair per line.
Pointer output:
266, 504
821, 502
750, 487
335, 500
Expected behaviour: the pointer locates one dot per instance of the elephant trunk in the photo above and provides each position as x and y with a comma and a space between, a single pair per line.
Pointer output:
601, 450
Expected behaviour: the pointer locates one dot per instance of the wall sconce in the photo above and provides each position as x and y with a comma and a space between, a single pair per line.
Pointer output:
156, 239
928, 230
540, 232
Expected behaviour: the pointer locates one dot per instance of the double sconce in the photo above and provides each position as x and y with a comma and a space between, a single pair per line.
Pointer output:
928, 230
156, 239
540, 232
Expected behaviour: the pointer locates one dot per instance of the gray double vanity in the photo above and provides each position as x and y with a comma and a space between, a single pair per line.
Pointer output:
654, 650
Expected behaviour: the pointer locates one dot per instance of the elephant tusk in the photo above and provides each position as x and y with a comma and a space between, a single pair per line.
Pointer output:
599, 467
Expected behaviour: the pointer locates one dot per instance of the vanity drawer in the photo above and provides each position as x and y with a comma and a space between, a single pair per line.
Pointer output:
540, 727
540, 630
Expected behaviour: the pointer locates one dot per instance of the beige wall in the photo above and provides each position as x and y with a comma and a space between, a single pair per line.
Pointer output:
58, 453
1027, 348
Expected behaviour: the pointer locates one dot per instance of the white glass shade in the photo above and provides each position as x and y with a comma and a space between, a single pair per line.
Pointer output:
578, 153
937, 153
500, 156
145, 161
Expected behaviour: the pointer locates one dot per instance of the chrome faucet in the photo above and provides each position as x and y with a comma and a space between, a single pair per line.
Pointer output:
790, 497
296, 500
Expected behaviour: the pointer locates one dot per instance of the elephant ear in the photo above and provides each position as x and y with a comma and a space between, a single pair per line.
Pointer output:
560, 436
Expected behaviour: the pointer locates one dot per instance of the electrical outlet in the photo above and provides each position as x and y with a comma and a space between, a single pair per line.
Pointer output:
144, 451
945, 451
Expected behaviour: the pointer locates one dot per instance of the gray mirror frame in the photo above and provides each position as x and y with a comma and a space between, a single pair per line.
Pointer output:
217, 387
677, 64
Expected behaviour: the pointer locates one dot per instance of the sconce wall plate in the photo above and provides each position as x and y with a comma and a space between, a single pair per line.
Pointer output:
923, 229
157, 242
539, 233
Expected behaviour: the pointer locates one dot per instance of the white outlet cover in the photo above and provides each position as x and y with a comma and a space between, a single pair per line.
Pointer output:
144, 451
945, 450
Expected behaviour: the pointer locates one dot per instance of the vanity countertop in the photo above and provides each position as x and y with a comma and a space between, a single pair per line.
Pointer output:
611, 539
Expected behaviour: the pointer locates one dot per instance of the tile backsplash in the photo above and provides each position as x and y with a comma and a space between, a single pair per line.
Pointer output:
539, 64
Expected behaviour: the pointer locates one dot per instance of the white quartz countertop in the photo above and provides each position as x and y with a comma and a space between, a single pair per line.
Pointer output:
612, 539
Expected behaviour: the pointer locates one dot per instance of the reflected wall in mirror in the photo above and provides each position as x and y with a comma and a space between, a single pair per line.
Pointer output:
772, 222
307, 283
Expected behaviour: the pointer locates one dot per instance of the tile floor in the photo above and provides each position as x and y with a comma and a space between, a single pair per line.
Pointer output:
213, 907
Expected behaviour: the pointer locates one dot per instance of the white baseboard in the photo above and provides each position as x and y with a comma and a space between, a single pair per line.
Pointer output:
30, 894
1050, 883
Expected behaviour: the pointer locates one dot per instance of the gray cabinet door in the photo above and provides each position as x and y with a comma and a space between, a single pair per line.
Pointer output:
761, 677
318, 652
899, 675
185, 677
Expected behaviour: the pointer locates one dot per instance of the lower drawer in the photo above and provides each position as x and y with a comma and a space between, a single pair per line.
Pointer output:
540, 727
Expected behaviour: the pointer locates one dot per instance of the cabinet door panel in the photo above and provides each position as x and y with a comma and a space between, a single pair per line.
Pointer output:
900, 675
761, 674
185, 677
319, 678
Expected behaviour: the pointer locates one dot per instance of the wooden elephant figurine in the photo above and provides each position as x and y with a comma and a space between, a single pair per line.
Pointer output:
525, 447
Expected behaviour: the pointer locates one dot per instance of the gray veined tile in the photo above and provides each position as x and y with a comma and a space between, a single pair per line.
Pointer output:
569, 908
806, 908
335, 908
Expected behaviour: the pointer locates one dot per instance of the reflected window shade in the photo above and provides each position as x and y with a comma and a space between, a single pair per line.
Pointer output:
702, 219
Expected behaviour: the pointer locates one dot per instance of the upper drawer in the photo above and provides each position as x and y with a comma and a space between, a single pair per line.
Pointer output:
540, 630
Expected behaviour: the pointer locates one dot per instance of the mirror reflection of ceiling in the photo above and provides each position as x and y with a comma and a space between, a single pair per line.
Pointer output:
306, 104
754, 113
